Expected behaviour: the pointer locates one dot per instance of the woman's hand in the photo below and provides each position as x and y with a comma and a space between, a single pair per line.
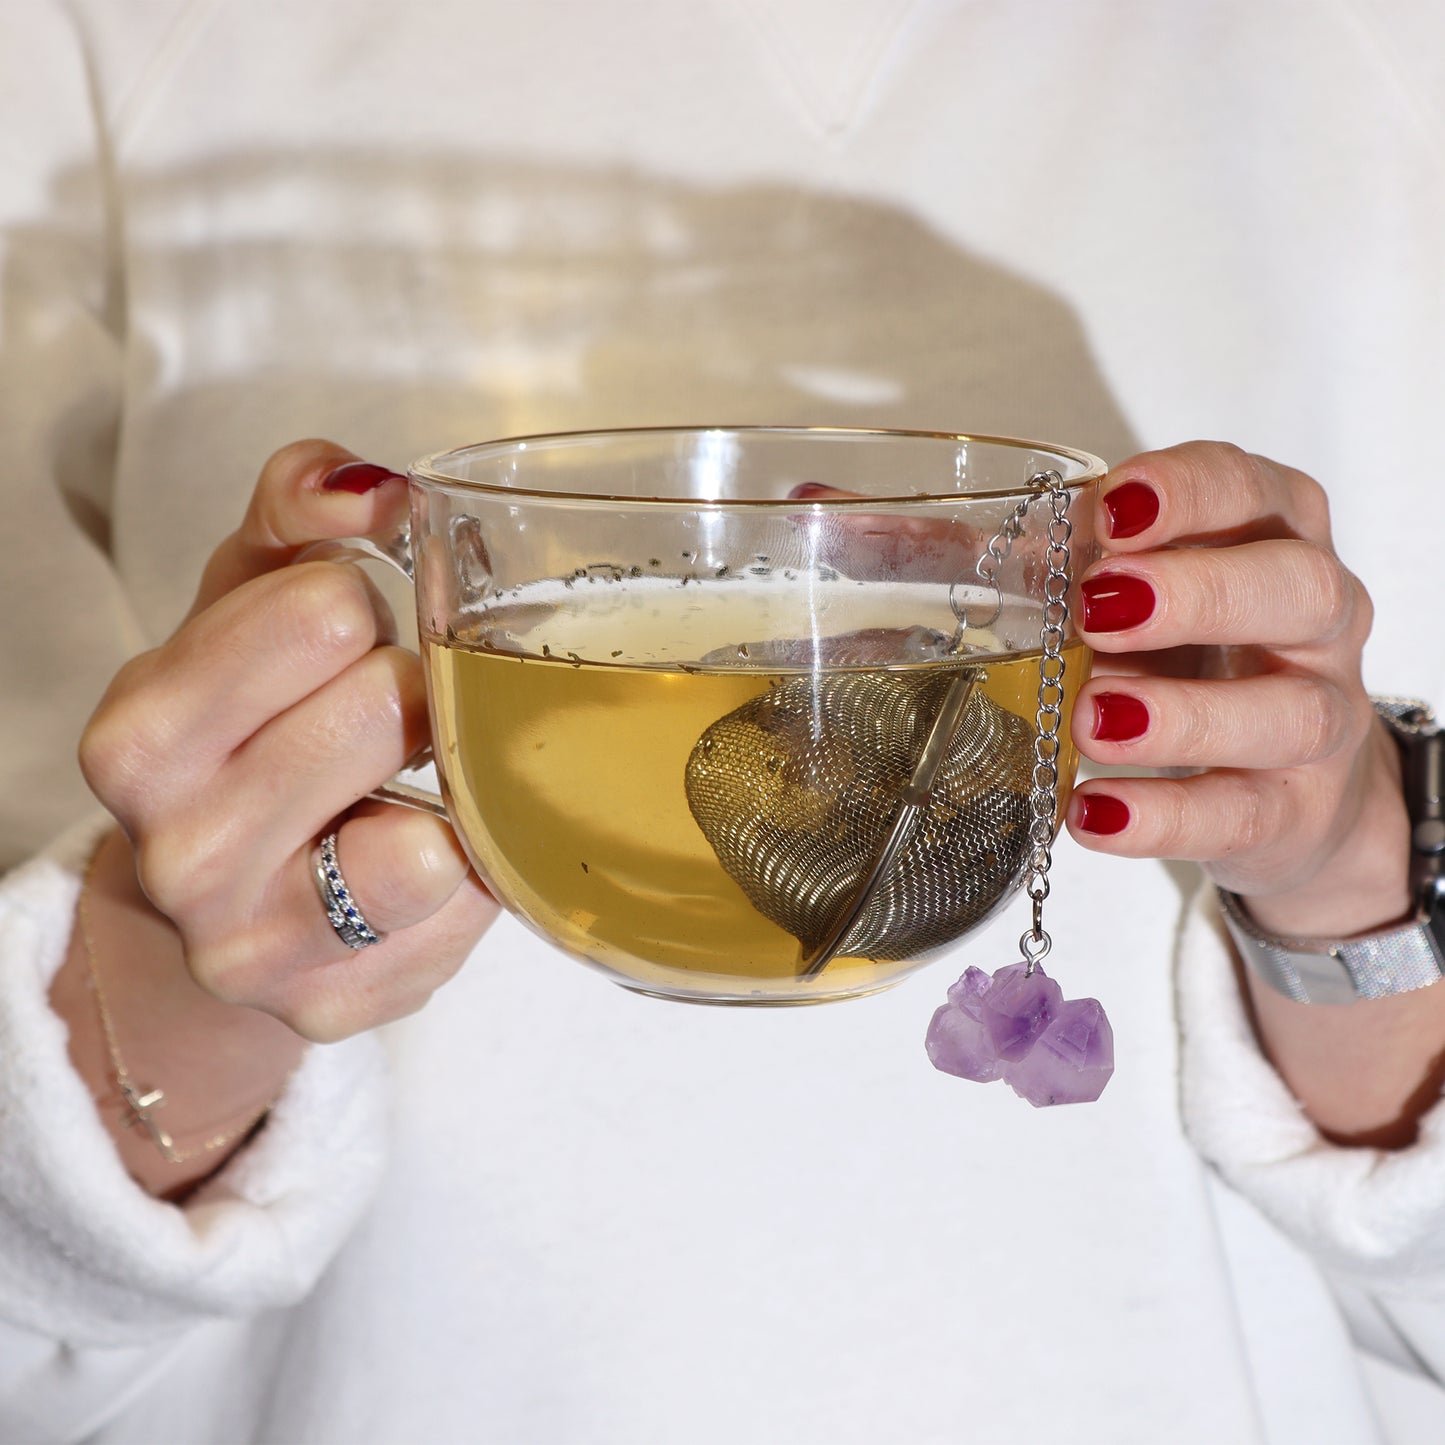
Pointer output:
1228, 637
275, 708
280, 702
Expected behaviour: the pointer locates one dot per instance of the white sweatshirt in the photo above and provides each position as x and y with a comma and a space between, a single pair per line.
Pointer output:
545, 1210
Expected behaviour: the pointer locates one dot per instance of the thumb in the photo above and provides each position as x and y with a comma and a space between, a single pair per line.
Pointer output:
307, 492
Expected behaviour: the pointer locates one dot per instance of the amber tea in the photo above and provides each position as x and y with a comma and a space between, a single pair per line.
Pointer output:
664, 821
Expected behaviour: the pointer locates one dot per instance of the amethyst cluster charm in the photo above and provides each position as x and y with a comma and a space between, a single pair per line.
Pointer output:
1017, 1026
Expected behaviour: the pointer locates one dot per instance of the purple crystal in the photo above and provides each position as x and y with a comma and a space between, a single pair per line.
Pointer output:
1071, 1061
959, 1043
969, 990
1016, 1026
1018, 1007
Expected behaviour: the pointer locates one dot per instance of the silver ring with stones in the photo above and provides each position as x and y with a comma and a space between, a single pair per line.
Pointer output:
341, 910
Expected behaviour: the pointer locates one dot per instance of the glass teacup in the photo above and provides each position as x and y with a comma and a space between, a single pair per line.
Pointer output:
683, 680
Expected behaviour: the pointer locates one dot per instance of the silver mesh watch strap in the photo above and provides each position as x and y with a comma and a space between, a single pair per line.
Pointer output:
1314, 970
1396, 960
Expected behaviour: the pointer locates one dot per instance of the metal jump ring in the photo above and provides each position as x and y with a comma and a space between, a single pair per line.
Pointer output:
341, 910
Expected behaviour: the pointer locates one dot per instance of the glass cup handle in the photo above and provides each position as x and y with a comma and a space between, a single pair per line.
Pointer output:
393, 548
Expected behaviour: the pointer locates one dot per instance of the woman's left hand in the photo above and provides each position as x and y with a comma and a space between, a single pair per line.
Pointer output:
1228, 638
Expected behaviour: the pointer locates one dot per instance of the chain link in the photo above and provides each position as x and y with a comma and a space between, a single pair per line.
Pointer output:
1044, 790
1043, 798
987, 568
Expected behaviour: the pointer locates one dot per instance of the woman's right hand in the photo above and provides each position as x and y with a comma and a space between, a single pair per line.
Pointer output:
279, 703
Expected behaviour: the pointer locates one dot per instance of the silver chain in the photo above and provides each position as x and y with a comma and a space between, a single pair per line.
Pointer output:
987, 567
1035, 943
1044, 792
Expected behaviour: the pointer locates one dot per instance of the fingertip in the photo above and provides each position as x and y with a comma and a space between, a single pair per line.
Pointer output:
439, 854
313, 490
288, 477
1131, 507
355, 499
1098, 815
1119, 717
358, 478
1113, 601
1144, 499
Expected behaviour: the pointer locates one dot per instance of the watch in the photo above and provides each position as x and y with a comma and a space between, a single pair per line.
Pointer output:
1398, 959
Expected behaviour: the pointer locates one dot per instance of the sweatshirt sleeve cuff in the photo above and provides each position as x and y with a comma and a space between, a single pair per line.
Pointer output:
1372, 1216
89, 1257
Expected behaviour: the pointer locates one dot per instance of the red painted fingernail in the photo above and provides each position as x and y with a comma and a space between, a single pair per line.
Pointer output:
1116, 601
807, 491
1132, 508
357, 477
1102, 813
1119, 718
